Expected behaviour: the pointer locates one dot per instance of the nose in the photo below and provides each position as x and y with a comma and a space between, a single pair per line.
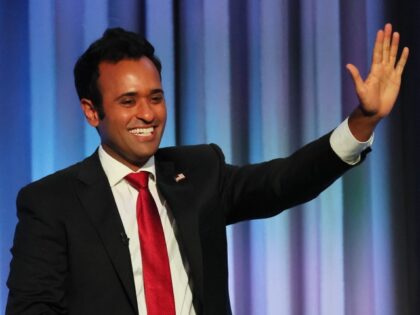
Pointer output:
145, 111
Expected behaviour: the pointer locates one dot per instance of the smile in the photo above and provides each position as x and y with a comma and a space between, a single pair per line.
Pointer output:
142, 132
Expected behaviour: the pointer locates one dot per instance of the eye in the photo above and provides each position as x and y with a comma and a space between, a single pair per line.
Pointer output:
128, 101
157, 98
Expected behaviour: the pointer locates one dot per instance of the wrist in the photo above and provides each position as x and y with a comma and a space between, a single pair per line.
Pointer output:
362, 123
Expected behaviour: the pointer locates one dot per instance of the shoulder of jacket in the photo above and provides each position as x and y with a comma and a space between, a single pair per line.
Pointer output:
54, 180
190, 151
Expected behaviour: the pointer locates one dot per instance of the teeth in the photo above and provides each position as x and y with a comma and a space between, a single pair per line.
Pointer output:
141, 131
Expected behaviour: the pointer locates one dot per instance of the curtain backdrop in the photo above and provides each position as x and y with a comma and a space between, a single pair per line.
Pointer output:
260, 78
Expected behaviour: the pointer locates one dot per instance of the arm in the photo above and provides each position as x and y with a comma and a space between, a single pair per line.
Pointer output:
38, 269
263, 190
378, 93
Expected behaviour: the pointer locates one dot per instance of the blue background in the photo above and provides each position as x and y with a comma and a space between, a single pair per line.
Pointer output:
260, 78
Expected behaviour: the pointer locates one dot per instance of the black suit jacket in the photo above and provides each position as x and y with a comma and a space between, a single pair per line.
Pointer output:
69, 253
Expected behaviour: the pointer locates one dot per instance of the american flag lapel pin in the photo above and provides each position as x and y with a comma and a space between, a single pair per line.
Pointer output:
179, 177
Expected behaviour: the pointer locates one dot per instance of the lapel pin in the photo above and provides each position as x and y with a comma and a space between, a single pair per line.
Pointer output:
179, 177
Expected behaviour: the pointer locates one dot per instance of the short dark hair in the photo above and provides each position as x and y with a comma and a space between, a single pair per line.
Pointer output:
115, 45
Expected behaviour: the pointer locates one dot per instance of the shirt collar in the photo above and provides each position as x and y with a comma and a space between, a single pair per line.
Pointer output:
116, 171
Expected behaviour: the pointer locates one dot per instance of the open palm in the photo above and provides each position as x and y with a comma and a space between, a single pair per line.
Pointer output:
378, 93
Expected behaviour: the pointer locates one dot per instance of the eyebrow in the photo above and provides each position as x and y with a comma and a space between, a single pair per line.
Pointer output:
133, 94
156, 91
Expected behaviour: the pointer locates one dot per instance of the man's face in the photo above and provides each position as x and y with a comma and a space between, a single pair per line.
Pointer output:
134, 108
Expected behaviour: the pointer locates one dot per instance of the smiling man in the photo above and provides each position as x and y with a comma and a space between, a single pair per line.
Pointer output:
134, 110
138, 229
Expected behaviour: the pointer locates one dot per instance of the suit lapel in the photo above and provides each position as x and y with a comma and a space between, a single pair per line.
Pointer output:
96, 197
176, 188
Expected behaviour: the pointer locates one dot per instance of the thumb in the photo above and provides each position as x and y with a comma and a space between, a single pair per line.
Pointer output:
357, 79
355, 74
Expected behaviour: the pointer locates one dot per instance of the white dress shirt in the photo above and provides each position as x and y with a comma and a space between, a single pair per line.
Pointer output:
126, 198
342, 142
346, 146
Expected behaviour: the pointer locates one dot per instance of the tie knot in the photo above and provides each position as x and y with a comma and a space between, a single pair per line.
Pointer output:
138, 180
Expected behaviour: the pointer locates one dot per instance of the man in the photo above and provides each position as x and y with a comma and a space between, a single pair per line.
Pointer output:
83, 244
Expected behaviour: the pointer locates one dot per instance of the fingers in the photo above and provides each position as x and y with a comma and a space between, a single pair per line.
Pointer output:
386, 48
394, 48
377, 49
387, 42
402, 61
391, 46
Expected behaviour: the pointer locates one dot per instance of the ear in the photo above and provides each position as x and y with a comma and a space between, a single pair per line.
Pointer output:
90, 112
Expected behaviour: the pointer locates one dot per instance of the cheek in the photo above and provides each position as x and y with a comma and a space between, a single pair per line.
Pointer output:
161, 112
112, 127
119, 119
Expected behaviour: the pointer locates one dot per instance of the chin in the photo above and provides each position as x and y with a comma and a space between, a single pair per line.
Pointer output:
145, 154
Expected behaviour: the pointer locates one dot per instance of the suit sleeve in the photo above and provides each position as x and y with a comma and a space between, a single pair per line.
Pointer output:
265, 189
39, 265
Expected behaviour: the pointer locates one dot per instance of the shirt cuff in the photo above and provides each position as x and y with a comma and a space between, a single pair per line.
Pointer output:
346, 146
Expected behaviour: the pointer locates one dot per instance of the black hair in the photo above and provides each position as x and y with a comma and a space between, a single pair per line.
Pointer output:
115, 45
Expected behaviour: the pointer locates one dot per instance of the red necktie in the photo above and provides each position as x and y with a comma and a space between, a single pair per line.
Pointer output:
156, 271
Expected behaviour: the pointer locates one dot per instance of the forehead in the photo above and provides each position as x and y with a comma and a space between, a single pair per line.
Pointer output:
128, 73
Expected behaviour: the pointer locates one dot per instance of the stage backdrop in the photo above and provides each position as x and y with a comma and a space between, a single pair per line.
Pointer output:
260, 78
